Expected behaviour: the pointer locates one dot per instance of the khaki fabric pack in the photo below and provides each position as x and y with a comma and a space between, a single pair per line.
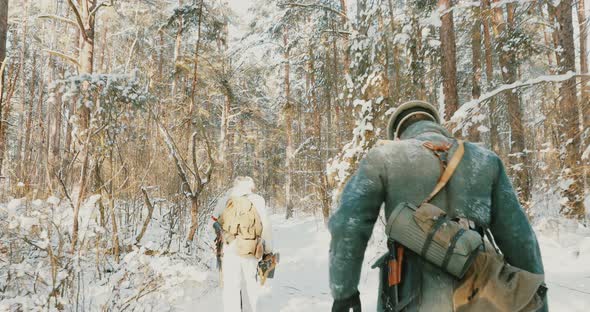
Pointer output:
240, 221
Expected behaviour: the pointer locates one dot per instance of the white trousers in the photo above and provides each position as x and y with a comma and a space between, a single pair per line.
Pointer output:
238, 270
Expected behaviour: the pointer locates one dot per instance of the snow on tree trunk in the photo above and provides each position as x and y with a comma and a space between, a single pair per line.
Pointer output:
489, 54
519, 159
572, 173
288, 116
369, 89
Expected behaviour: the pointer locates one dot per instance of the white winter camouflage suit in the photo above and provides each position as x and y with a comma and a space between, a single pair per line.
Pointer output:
241, 270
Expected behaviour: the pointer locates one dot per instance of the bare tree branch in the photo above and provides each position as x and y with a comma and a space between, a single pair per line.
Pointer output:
63, 56
173, 151
2, 68
337, 32
211, 161
65, 189
78, 19
301, 146
148, 218
194, 158
102, 4
58, 18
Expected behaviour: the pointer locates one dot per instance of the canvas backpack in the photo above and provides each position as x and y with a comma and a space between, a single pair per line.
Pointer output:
486, 281
241, 222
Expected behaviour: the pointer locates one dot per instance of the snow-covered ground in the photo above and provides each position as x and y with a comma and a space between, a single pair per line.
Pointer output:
301, 282
565, 247
149, 279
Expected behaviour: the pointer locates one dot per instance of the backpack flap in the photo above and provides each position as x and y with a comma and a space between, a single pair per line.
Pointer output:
493, 285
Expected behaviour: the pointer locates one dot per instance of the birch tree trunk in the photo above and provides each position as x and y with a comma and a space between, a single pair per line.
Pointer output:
85, 14
86, 57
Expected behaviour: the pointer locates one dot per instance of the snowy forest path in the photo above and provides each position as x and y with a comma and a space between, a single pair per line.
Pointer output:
301, 279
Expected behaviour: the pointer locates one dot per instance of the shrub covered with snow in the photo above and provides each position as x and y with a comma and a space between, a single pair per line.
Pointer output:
41, 271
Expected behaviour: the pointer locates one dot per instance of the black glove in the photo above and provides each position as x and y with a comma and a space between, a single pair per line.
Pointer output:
344, 305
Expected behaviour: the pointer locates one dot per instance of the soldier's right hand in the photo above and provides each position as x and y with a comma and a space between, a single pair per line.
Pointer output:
345, 305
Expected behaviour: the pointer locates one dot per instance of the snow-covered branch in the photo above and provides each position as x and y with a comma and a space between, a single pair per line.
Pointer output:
78, 19
173, 151
102, 4
466, 109
317, 6
68, 58
301, 146
58, 18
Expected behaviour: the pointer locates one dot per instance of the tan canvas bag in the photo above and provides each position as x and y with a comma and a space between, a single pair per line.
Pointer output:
491, 284
240, 221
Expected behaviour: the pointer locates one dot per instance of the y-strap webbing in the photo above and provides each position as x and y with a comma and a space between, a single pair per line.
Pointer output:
448, 173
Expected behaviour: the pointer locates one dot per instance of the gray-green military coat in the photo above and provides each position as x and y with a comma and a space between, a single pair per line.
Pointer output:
405, 171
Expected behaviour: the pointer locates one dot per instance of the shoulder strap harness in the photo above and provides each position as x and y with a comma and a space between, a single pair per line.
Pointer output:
449, 168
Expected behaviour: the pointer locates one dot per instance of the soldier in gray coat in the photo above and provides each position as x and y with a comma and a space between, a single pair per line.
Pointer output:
403, 170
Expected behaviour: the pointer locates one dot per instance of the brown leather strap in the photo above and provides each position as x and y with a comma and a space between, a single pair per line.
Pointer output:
448, 173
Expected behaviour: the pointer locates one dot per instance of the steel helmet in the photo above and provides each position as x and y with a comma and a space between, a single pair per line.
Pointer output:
407, 110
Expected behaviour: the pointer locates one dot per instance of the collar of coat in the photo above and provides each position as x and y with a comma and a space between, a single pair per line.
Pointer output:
424, 127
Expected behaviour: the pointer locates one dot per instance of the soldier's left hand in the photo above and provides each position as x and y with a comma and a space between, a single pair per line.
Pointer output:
345, 305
